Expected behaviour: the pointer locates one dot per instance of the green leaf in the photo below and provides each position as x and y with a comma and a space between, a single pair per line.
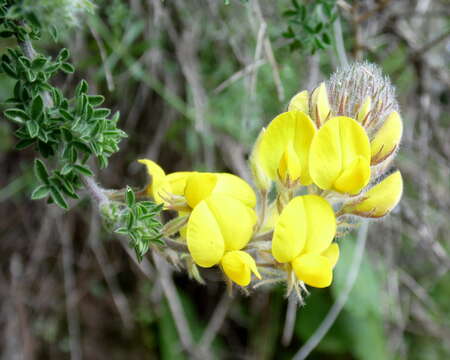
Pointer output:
130, 197
40, 192
63, 55
96, 100
24, 143
38, 63
9, 70
67, 68
33, 128
84, 170
6, 34
101, 113
41, 171
65, 114
58, 198
81, 88
37, 107
16, 115
82, 147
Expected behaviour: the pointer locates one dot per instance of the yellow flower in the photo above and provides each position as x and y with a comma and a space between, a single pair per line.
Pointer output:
282, 151
302, 237
380, 199
387, 138
196, 186
218, 229
339, 157
161, 185
300, 102
200, 186
320, 105
238, 266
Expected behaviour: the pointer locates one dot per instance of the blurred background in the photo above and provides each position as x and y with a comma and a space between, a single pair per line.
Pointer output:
195, 81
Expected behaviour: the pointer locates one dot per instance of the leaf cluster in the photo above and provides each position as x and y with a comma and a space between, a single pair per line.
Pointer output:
16, 21
309, 25
68, 130
136, 219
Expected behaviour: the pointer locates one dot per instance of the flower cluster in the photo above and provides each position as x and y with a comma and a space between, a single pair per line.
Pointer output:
317, 167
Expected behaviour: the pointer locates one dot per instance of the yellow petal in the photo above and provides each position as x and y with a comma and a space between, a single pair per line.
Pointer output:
289, 168
320, 224
300, 102
236, 220
332, 253
260, 176
320, 106
314, 270
204, 238
291, 126
289, 235
380, 199
335, 148
238, 266
387, 138
233, 186
158, 184
177, 181
306, 225
354, 178
364, 109
198, 187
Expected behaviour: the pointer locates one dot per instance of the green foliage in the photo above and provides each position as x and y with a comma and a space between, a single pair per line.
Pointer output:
310, 24
67, 130
29, 17
136, 219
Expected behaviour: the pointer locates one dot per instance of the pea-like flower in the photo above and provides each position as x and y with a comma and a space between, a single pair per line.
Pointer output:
333, 144
303, 237
194, 187
339, 157
217, 231
380, 199
282, 152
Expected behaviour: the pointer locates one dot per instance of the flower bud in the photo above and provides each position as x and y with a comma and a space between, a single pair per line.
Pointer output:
300, 102
380, 199
387, 138
320, 106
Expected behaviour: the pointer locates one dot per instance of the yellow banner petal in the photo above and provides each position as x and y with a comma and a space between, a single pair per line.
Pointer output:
300, 102
238, 266
261, 178
177, 181
291, 126
158, 182
314, 270
380, 199
320, 224
387, 138
334, 149
290, 231
235, 219
204, 237
198, 187
233, 186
